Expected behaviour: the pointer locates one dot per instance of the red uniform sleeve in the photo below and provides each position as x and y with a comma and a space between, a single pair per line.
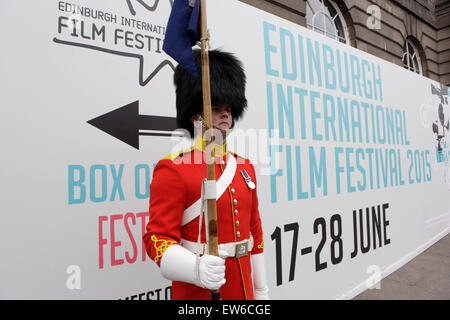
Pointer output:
255, 220
167, 203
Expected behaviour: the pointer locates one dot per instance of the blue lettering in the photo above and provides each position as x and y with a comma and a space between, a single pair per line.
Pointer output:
287, 107
329, 117
302, 93
328, 67
314, 115
344, 88
343, 119
268, 49
339, 168
314, 62
359, 155
76, 183
117, 185
367, 83
356, 120
137, 181
284, 35
318, 175
356, 74
350, 169
92, 183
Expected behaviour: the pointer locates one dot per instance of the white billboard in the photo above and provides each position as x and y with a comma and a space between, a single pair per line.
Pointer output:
351, 152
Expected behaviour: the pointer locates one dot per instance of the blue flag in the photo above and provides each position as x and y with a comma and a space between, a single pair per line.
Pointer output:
182, 33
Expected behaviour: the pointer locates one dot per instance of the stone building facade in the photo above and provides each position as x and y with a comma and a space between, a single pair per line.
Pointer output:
414, 34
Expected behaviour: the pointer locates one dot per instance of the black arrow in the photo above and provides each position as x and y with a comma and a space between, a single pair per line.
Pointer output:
125, 122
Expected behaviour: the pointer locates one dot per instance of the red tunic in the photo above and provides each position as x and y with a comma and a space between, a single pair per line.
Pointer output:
175, 186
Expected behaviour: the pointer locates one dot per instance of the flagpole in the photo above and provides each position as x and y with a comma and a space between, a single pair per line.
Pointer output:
210, 163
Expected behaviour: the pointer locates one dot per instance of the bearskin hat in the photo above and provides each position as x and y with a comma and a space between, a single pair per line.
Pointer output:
227, 83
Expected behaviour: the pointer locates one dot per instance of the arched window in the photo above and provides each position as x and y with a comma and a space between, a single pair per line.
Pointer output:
411, 58
325, 17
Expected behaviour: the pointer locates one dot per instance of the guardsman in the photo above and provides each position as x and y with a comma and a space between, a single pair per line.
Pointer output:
176, 235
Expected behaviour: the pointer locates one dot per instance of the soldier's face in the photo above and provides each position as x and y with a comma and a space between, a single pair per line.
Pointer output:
221, 117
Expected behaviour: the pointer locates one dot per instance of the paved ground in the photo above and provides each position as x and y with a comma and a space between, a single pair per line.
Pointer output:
425, 277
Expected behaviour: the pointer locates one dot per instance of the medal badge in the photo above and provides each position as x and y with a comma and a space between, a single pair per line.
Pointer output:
247, 179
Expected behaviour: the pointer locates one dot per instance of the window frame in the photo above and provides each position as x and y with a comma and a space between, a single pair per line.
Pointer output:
323, 11
412, 57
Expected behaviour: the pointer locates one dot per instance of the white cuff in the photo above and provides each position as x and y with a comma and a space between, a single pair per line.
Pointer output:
259, 276
179, 264
173, 258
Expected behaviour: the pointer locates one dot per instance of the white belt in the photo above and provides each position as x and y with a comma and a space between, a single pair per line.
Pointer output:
232, 249
222, 184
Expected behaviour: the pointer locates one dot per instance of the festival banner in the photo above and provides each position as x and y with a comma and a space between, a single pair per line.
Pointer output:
352, 153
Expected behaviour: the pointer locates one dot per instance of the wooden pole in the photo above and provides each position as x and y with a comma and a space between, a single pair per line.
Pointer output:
210, 165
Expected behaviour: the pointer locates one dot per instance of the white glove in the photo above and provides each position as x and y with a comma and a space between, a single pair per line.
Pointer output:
211, 272
180, 264
259, 277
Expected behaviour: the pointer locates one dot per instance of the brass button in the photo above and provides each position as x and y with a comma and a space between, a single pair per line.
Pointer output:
238, 234
237, 223
235, 201
233, 190
235, 212
223, 162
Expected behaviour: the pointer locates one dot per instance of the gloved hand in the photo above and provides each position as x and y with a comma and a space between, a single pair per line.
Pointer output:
259, 277
211, 272
180, 264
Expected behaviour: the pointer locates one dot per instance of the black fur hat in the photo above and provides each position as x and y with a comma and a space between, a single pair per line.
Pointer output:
227, 81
